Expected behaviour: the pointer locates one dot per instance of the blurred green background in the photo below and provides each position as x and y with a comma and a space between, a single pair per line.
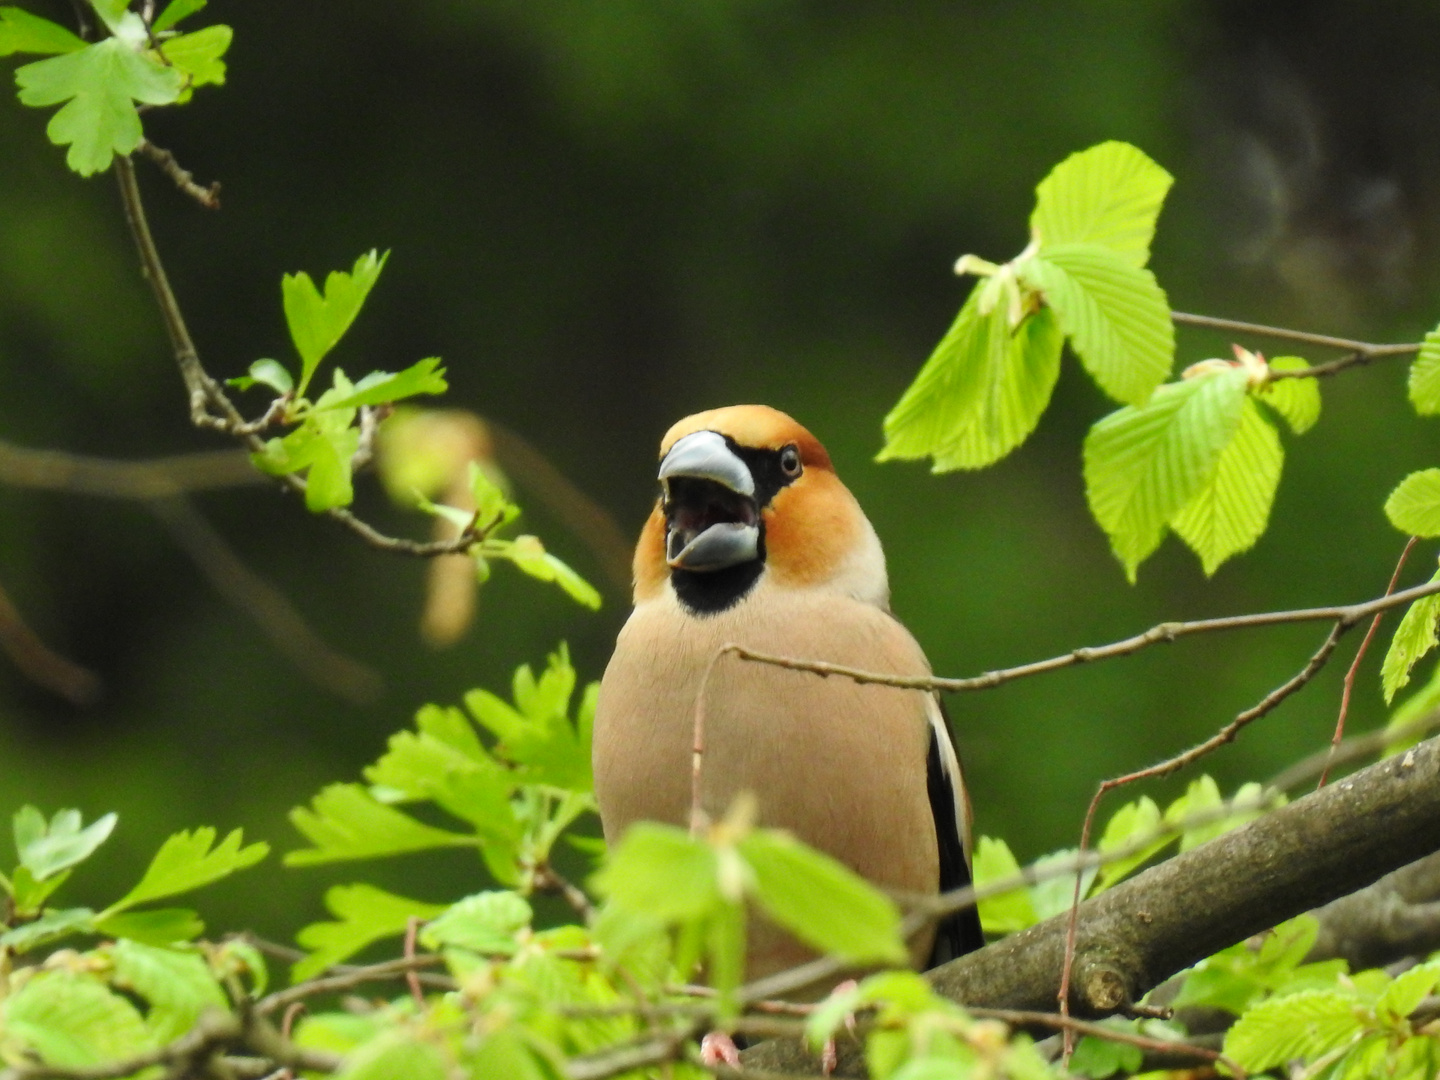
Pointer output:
606, 214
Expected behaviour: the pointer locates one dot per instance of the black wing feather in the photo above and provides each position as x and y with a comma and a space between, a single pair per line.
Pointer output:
960, 932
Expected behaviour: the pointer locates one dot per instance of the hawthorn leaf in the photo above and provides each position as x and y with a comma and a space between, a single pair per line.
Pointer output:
383, 387
1109, 195
174, 12
47, 849
1114, 313
178, 985
73, 1021
99, 86
189, 860
1143, 464
49, 927
1414, 506
28, 894
1296, 400
1230, 511
822, 902
1414, 637
1424, 383
530, 556
1303, 1025
344, 821
365, 914
22, 32
317, 322
197, 57
1007, 913
269, 373
157, 926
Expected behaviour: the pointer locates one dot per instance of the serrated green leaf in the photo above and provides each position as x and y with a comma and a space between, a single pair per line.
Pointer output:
1143, 464
820, 901
186, 861
345, 822
1109, 195
1408, 712
22, 32
1297, 400
99, 85
1007, 913
1414, 637
73, 1021
46, 849
158, 926
1425, 376
1114, 313
325, 444
530, 556
1303, 1025
318, 322
49, 927
174, 12
29, 895
366, 914
269, 373
178, 985
1131, 823
486, 923
197, 57
1099, 1058
1218, 986
383, 387
393, 1054
981, 392
1414, 506
659, 871
1230, 511
1405, 994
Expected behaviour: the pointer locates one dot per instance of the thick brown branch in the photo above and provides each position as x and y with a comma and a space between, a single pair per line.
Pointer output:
1395, 918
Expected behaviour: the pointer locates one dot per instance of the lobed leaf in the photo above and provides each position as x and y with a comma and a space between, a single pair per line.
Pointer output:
197, 57
158, 926
1109, 195
174, 12
99, 86
47, 849
1114, 313
1414, 637
186, 861
383, 387
1230, 511
1414, 506
49, 927
344, 821
1296, 400
366, 914
317, 322
529, 555
22, 32
1142, 465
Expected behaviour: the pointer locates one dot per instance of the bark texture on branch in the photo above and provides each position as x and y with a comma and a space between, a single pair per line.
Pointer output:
1133, 937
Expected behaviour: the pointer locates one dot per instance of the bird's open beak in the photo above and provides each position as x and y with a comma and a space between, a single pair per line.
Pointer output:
711, 517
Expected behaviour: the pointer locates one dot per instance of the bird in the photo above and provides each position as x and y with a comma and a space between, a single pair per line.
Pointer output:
755, 540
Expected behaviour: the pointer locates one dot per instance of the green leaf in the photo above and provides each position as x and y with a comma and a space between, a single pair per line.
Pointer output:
99, 85
325, 445
507, 1053
197, 56
1425, 376
1303, 1025
1114, 313
382, 387
1229, 513
1414, 637
47, 849
530, 556
49, 927
1287, 945
823, 903
1404, 995
344, 821
269, 373
178, 985
1109, 195
660, 871
186, 861
1414, 506
73, 1021
487, 923
29, 895
1053, 895
1143, 464
1297, 400
366, 914
1010, 912
1100, 1058
394, 1054
1131, 823
174, 12
22, 32
318, 322
981, 392
158, 926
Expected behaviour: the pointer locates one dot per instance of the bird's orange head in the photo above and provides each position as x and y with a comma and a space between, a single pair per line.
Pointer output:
747, 494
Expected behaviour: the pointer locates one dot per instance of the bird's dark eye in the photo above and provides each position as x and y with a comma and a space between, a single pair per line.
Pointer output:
790, 461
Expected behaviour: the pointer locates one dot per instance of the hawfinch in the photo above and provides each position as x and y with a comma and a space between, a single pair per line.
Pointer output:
755, 540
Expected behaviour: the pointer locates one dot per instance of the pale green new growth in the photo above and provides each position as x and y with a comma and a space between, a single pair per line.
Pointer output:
1303, 1025
73, 1021
46, 848
1414, 637
22, 32
365, 915
1414, 506
186, 861
1296, 400
1109, 195
316, 321
1229, 513
174, 12
1007, 913
1425, 376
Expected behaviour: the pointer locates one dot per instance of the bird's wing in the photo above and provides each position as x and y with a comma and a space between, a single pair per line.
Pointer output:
960, 932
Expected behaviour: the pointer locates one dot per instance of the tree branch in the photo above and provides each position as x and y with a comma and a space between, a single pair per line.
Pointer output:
1361, 352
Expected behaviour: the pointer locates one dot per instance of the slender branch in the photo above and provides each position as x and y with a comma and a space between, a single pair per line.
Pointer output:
153, 478
348, 980
1366, 349
1029, 1018
208, 197
41, 664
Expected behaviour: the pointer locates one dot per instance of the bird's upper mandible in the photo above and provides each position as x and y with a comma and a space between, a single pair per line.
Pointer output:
749, 495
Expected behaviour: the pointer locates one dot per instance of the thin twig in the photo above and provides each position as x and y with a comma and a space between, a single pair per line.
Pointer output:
1360, 655
1363, 351
698, 820
1061, 1022
412, 929
41, 664
383, 972
547, 878
1353, 749
208, 197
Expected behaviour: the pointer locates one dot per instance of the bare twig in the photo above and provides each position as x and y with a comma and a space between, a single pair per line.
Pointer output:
208, 197
1361, 352
41, 664
412, 929
549, 879
698, 819
1061, 1022
153, 478
348, 980
1360, 655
